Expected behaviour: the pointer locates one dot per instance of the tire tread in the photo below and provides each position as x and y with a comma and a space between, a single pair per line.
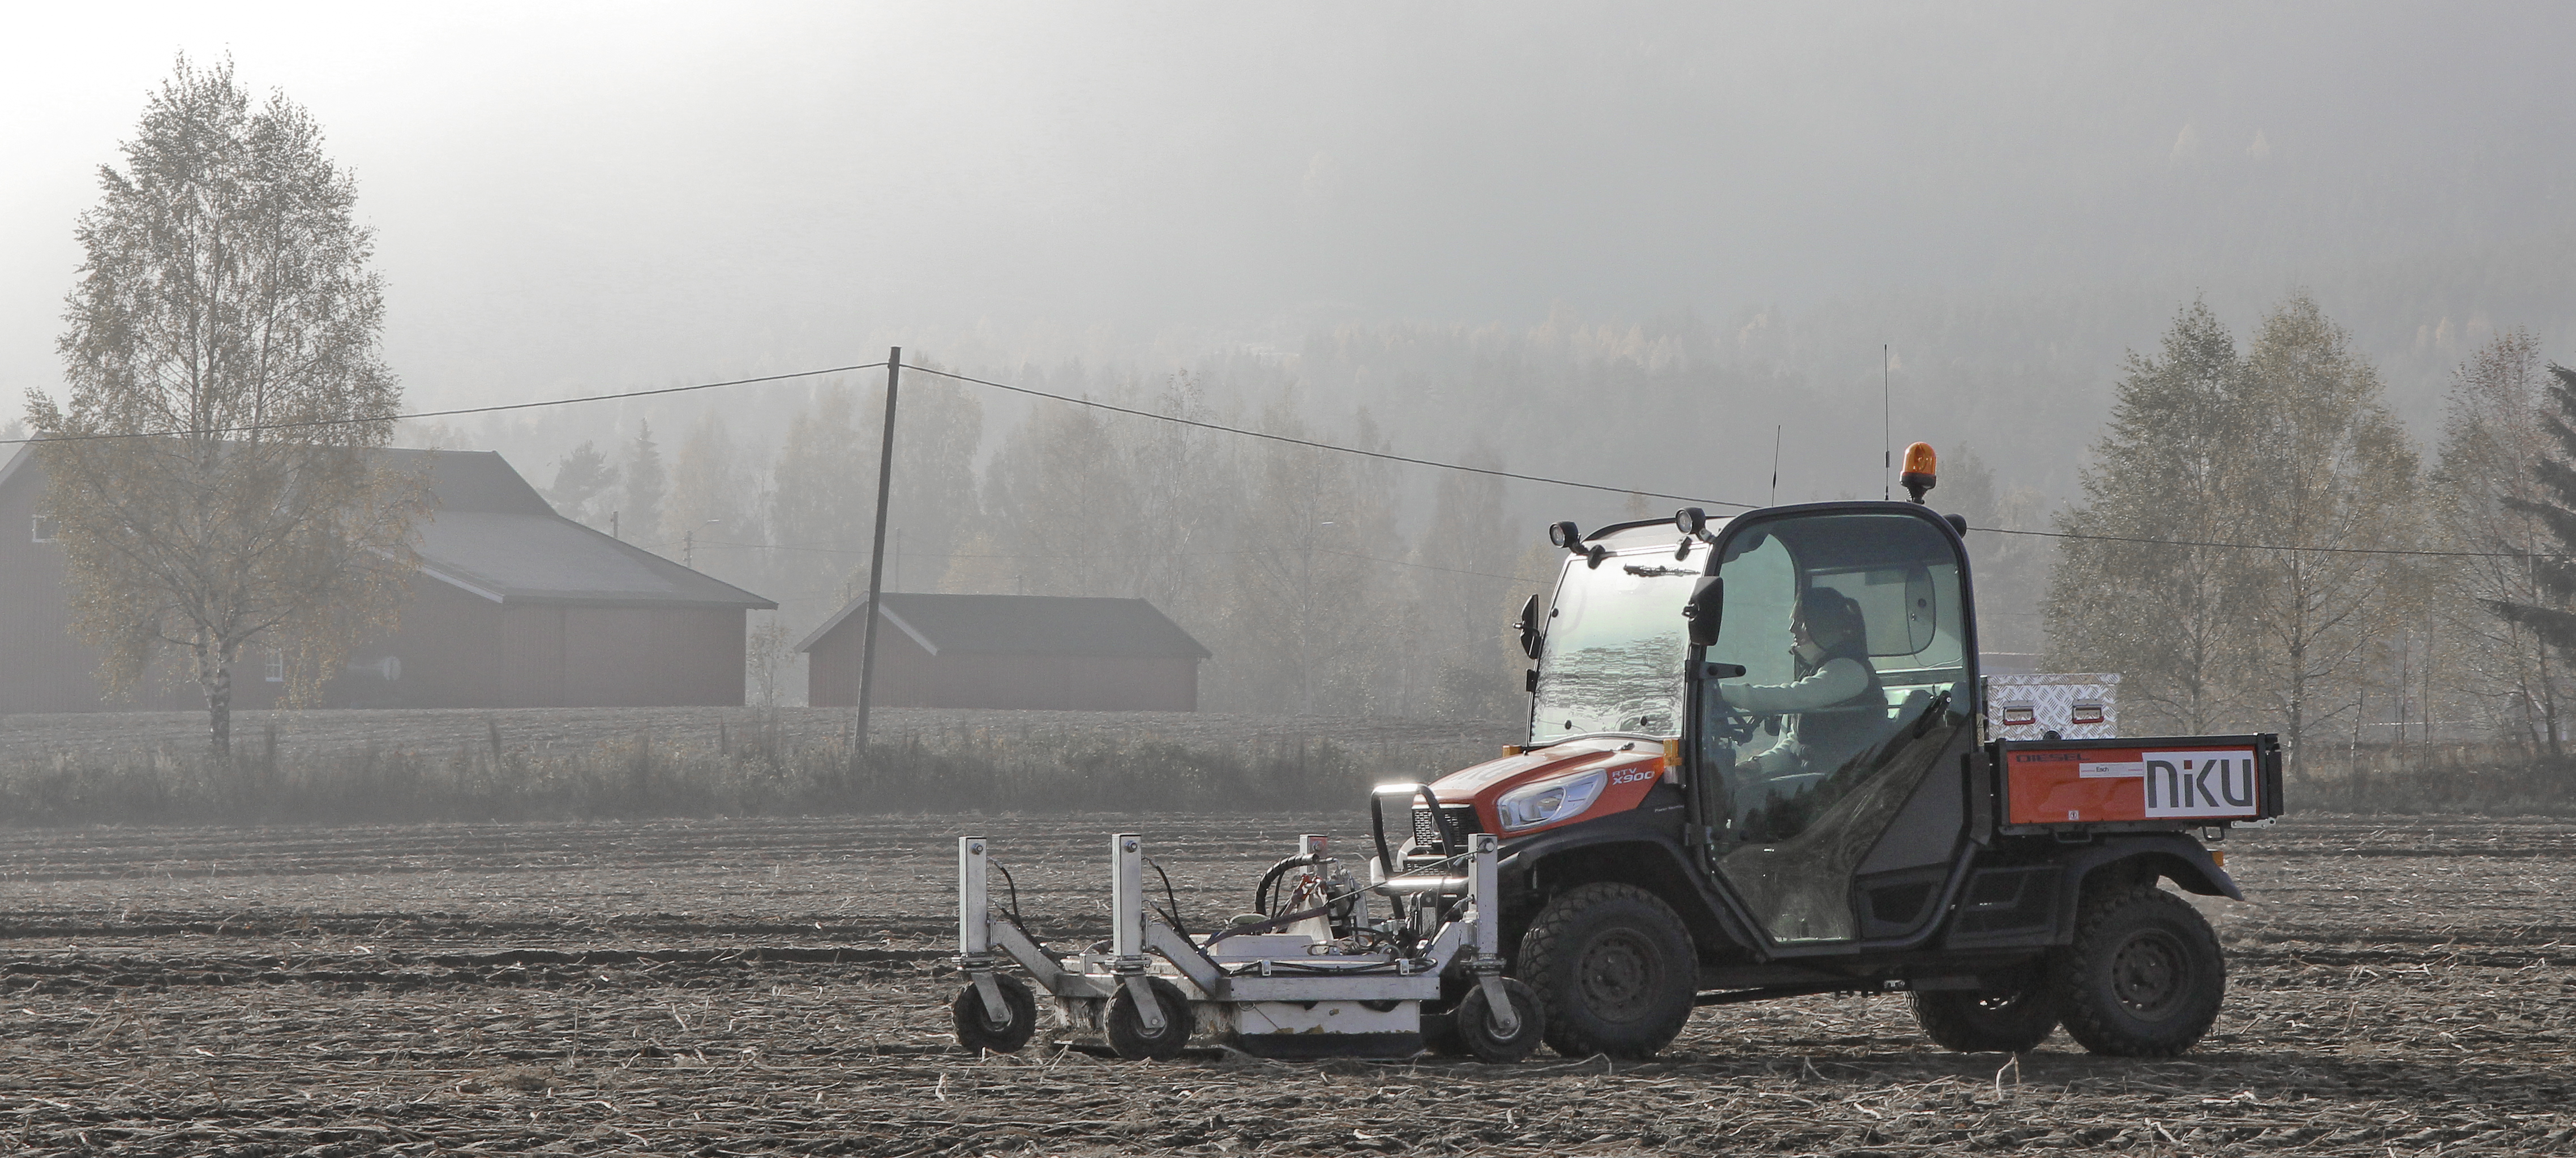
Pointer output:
2094, 1027
1541, 944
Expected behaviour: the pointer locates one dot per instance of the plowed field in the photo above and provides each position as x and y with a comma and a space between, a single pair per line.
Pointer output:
2399, 986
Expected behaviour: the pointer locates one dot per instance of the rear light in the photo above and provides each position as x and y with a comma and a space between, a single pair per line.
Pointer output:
2086, 714
2018, 714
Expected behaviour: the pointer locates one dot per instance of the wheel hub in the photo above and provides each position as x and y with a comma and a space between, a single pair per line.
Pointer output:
1617, 976
2149, 973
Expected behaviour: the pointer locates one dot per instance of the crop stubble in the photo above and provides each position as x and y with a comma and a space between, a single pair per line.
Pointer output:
2400, 985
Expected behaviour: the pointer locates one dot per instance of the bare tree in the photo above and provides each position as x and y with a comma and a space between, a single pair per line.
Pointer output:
2165, 470
2325, 466
1311, 589
210, 473
2486, 492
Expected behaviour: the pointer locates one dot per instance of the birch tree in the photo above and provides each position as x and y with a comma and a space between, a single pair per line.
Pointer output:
210, 472
2167, 470
2327, 473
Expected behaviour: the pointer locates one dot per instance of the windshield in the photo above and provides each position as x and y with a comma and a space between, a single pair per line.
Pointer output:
1613, 661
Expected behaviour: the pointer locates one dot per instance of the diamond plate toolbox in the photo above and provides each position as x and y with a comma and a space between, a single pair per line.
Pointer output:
2076, 706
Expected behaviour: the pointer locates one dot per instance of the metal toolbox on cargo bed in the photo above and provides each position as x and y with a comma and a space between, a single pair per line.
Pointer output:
2075, 705
2134, 784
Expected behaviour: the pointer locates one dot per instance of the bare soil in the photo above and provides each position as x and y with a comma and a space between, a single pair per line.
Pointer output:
2400, 985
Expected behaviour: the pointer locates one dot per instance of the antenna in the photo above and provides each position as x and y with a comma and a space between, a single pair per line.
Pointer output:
1775, 466
1886, 427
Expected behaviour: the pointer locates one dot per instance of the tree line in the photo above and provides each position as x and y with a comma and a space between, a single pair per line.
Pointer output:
2265, 547
1290, 563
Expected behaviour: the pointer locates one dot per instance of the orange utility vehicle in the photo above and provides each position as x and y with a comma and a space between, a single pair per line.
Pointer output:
1758, 766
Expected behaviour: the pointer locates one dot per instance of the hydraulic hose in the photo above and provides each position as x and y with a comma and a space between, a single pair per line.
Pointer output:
1261, 892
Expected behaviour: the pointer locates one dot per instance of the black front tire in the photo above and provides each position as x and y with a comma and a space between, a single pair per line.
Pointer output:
1973, 1022
1127, 1034
976, 1028
2144, 978
1473, 1025
1613, 969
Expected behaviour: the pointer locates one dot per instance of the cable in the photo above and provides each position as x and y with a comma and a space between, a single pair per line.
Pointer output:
1204, 425
1014, 887
444, 413
1173, 910
1127, 555
1390, 457
1377, 454
2271, 546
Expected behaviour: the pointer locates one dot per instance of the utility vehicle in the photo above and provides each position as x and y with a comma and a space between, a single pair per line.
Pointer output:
1689, 824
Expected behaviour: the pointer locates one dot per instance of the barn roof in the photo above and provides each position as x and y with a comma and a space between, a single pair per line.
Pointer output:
491, 534
1024, 625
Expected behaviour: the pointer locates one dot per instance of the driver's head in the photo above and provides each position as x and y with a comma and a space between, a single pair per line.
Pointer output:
1833, 621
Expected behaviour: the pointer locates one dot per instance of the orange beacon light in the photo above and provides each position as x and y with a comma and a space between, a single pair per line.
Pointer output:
1921, 468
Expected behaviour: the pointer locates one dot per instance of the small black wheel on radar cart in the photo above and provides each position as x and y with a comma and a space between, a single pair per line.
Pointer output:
2144, 977
1127, 1034
1613, 969
1473, 1024
976, 1028
1969, 1021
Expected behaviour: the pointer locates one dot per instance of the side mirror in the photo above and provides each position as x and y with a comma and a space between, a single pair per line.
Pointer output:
1531, 636
1707, 604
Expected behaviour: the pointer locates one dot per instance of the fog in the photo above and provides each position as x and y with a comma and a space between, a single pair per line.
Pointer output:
1452, 216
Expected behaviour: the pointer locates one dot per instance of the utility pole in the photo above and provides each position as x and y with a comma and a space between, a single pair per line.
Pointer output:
876, 552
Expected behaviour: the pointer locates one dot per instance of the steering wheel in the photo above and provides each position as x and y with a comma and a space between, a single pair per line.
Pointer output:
1728, 722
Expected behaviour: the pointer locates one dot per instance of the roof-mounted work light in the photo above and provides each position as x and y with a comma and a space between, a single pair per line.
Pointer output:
1921, 468
1566, 535
1692, 522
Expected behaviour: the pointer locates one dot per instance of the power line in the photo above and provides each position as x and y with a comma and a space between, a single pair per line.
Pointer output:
259, 426
2266, 546
1307, 442
1378, 454
1128, 555
1205, 425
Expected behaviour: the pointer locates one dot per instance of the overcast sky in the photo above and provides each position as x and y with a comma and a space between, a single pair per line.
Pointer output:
639, 194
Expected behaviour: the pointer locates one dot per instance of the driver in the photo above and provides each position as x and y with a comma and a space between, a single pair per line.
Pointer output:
1830, 643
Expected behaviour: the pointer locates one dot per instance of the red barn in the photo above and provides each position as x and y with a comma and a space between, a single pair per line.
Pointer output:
1008, 651
514, 606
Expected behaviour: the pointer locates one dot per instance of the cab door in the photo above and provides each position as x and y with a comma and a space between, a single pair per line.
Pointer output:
1836, 816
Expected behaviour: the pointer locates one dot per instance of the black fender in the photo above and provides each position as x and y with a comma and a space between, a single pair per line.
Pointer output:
2139, 860
1641, 846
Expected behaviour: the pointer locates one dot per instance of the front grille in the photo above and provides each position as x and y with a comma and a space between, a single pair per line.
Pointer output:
1426, 827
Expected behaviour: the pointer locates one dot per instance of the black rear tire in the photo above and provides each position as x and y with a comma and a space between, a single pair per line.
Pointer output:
1613, 969
1127, 1034
1973, 1022
2144, 978
1473, 1025
976, 1028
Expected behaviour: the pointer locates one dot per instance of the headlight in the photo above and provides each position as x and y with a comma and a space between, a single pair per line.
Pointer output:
1551, 800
